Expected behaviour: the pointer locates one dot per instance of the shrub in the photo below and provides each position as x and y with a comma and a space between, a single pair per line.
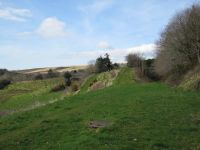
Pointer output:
67, 76
51, 74
91, 68
103, 64
3, 71
116, 66
75, 86
58, 88
4, 83
39, 77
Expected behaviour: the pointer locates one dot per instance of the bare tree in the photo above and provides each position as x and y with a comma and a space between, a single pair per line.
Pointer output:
179, 44
134, 60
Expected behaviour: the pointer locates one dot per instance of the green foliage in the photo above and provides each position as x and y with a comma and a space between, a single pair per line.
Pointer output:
103, 64
67, 76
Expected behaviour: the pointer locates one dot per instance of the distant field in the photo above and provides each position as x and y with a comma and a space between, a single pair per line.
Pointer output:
58, 69
141, 115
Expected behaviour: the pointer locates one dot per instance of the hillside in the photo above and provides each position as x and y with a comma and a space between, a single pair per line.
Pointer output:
21, 96
57, 69
136, 116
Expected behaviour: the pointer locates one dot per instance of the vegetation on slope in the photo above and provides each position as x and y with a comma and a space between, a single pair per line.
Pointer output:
99, 81
191, 80
23, 95
143, 116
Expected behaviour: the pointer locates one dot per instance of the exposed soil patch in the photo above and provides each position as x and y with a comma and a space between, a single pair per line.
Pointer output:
97, 86
99, 124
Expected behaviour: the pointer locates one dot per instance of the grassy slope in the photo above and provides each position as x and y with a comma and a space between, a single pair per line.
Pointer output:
191, 80
106, 78
144, 116
24, 94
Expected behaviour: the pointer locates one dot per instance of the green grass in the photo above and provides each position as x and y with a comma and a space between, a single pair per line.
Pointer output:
88, 81
106, 78
144, 116
25, 94
125, 76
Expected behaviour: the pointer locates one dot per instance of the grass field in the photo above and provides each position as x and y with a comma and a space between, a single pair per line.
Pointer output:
143, 116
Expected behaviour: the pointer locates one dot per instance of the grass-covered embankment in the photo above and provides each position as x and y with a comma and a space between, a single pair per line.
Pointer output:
24, 95
143, 116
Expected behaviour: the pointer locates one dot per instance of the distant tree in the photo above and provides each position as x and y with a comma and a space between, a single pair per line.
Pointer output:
108, 62
51, 74
116, 66
67, 76
91, 67
103, 64
134, 60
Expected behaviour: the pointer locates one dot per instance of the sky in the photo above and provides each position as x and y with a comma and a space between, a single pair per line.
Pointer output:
51, 33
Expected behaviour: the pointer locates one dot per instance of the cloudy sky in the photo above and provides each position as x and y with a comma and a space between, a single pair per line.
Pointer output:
41, 33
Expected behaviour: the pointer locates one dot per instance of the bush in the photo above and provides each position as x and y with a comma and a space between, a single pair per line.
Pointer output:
3, 71
75, 86
67, 76
52, 74
4, 83
116, 66
39, 77
103, 64
58, 88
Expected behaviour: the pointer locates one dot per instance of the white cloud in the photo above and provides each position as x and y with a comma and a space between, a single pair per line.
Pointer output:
103, 45
117, 55
52, 28
15, 14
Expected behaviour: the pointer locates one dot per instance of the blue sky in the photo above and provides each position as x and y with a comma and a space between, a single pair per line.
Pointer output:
47, 33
